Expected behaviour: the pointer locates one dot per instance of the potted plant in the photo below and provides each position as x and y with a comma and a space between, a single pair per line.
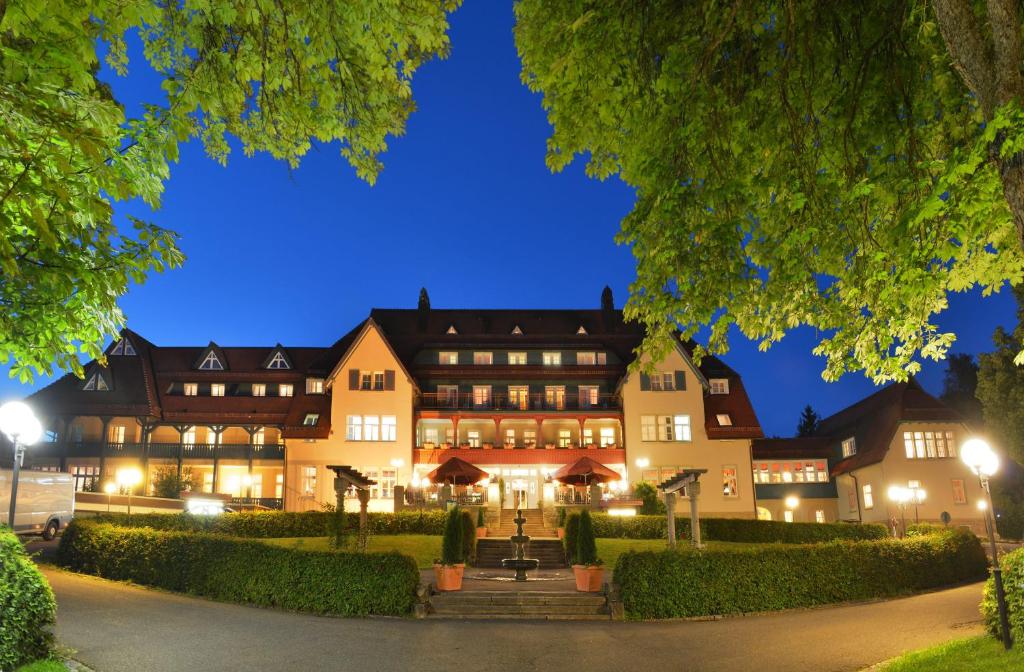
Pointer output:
448, 570
481, 524
561, 522
586, 565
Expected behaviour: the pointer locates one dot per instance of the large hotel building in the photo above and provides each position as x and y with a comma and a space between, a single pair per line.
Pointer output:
518, 393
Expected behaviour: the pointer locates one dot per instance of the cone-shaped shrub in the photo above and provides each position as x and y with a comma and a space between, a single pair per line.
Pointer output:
572, 526
561, 516
586, 544
480, 522
451, 545
468, 537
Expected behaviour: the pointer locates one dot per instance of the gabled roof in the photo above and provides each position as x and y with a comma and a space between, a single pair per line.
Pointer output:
276, 357
211, 359
798, 447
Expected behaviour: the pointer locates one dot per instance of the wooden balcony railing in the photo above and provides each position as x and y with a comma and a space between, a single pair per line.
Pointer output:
188, 451
519, 402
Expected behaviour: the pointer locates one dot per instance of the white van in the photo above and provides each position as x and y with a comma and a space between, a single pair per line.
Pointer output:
46, 501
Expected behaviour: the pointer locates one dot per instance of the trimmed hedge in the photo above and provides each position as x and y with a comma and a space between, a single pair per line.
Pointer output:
277, 524
240, 570
27, 606
1013, 586
670, 584
735, 529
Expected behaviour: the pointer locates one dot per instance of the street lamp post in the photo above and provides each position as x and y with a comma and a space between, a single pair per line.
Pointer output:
129, 478
23, 429
983, 461
901, 496
109, 487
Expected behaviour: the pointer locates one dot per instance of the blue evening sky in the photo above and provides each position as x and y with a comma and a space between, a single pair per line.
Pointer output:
465, 207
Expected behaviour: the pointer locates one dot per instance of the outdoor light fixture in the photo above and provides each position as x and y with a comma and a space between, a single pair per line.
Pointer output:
983, 461
643, 462
110, 488
902, 496
982, 505
128, 479
20, 425
397, 462
792, 502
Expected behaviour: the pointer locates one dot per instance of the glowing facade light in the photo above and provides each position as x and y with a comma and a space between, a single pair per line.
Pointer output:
792, 502
979, 457
110, 487
899, 494
397, 462
643, 462
982, 505
19, 423
128, 478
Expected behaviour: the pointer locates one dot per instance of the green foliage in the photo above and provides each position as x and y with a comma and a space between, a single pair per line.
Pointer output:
734, 529
468, 537
921, 529
1001, 387
975, 654
778, 576
278, 77
480, 521
242, 570
809, 420
586, 544
452, 551
652, 504
27, 607
960, 388
44, 666
786, 175
572, 527
166, 483
1013, 585
336, 527
277, 524
561, 516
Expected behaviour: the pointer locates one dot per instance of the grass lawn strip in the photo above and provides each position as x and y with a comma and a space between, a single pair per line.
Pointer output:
977, 654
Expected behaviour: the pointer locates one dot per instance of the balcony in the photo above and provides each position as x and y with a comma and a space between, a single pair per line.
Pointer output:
518, 402
188, 451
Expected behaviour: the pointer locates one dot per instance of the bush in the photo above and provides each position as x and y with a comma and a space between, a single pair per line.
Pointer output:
572, 528
1013, 585
652, 504
480, 520
921, 529
27, 606
737, 580
734, 529
244, 571
452, 552
468, 537
561, 517
277, 524
586, 544
167, 484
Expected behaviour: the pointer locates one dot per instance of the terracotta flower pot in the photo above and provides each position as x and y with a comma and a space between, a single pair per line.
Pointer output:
561, 533
589, 578
448, 577
481, 532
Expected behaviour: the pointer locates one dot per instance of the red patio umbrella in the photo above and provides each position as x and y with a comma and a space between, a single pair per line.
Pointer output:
583, 471
457, 471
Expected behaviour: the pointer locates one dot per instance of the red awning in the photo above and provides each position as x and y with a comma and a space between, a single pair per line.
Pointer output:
585, 470
457, 472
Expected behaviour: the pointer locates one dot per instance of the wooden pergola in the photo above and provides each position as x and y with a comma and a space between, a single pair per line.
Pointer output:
346, 477
687, 480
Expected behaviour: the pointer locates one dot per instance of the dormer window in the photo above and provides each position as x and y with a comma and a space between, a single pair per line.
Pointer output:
211, 362
311, 419
451, 331
123, 347
581, 331
724, 419
516, 331
849, 447
314, 385
278, 361
719, 385
96, 383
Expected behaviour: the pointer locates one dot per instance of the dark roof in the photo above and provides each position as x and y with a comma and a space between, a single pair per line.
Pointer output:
799, 447
872, 421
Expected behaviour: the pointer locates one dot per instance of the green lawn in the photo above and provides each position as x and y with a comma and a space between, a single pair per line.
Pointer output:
44, 666
425, 548
977, 654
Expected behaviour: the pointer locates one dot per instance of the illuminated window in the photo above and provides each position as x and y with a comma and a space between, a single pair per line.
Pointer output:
451, 330
588, 437
663, 381
564, 438
473, 438
529, 437
552, 359
516, 331
681, 428
354, 428
554, 397
311, 419
116, 434
724, 419
819, 516
481, 395
787, 515
309, 481
730, 486
191, 389
607, 436
510, 437
259, 437
517, 358
259, 390
761, 472
285, 390
648, 428
849, 447
586, 358
519, 397
430, 435
581, 331
316, 385
188, 437
719, 385
217, 389
386, 483
388, 428
371, 428
922, 445
959, 494
378, 380
483, 358
588, 396
448, 358
212, 437
869, 499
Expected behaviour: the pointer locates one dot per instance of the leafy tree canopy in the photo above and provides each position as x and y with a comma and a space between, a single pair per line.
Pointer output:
276, 75
1001, 387
796, 163
960, 385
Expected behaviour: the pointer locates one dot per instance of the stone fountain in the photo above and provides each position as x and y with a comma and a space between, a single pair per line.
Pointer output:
520, 563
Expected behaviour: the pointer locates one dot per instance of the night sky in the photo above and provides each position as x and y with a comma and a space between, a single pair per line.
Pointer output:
465, 207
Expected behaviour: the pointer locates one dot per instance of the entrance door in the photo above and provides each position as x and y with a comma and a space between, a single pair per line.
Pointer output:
521, 498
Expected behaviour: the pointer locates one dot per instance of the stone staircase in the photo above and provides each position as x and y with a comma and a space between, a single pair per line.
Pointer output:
534, 526
491, 550
545, 605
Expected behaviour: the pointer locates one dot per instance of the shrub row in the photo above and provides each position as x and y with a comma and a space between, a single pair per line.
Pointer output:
27, 606
734, 529
277, 524
1013, 586
242, 570
670, 584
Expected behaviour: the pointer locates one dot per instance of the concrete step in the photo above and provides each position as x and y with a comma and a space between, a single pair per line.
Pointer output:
525, 617
521, 598
547, 605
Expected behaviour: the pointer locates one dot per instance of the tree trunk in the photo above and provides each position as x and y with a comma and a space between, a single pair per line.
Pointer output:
1011, 171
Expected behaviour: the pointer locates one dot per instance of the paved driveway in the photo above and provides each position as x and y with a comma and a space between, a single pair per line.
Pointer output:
117, 627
